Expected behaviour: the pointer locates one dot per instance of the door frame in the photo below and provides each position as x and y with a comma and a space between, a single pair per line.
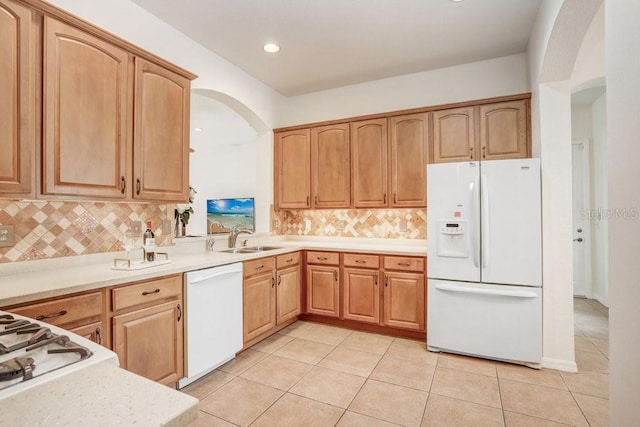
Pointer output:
586, 194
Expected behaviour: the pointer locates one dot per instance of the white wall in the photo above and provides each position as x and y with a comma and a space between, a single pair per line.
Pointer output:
623, 104
485, 79
599, 201
581, 122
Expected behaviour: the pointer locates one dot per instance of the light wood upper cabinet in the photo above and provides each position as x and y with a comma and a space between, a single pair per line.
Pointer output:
17, 99
161, 133
369, 150
408, 147
85, 114
330, 166
292, 169
503, 130
454, 135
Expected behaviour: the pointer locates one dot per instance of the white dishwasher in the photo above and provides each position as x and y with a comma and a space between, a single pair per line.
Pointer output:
213, 321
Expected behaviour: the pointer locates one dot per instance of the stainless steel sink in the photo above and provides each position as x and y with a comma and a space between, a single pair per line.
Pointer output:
250, 249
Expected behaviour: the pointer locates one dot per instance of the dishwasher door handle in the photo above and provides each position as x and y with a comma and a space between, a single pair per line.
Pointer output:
211, 276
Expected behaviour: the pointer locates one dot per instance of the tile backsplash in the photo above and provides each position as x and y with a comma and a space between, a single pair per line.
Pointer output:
50, 229
375, 223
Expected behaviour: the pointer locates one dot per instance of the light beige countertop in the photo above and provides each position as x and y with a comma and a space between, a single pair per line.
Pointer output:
34, 280
99, 395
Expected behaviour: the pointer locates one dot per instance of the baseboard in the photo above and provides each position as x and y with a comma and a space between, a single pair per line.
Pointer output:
601, 300
559, 365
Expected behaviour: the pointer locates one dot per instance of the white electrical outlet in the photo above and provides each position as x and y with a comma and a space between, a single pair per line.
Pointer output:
307, 224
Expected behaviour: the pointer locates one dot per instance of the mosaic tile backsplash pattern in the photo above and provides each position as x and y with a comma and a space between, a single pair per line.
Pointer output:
50, 229
374, 223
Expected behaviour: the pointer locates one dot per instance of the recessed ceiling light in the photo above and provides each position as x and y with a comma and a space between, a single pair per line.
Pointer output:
271, 48
197, 129
456, 1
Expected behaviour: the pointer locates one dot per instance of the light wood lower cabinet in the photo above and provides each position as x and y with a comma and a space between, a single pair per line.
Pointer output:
259, 302
288, 294
271, 295
149, 342
404, 300
82, 314
323, 290
361, 295
147, 328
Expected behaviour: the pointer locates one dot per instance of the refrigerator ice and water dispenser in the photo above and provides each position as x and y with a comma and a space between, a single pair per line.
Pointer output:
453, 238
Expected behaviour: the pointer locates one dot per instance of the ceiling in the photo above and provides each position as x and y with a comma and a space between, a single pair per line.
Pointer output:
331, 43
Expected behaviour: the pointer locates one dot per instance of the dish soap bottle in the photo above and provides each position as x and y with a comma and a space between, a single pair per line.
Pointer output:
149, 243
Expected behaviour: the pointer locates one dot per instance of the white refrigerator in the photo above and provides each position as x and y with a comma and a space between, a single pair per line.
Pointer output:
484, 259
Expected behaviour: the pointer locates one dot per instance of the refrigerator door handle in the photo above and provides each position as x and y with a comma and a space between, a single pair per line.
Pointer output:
484, 221
475, 214
471, 290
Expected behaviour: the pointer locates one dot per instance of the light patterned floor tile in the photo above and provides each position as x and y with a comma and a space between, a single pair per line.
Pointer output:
273, 343
353, 419
208, 420
467, 364
462, 385
277, 372
590, 383
411, 350
240, 401
404, 372
291, 410
543, 377
351, 361
329, 386
583, 343
388, 402
326, 334
242, 362
592, 362
543, 402
371, 343
594, 408
207, 384
304, 351
519, 420
297, 329
602, 345
447, 412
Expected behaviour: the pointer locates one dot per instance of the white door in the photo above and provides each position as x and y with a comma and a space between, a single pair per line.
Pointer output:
453, 250
580, 206
511, 230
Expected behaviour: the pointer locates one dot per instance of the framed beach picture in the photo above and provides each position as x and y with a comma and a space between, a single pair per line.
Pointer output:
224, 214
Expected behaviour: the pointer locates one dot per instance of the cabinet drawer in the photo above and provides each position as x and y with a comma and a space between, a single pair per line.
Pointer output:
360, 260
327, 258
258, 266
287, 260
146, 292
65, 311
404, 263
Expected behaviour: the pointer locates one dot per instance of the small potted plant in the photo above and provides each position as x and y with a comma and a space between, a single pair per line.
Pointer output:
182, 212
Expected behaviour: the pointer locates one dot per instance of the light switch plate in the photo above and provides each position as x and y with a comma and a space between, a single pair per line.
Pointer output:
7, 236
136, 226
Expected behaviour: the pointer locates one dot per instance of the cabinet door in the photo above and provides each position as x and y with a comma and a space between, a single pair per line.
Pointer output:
292, 169
17, 103
404, 301
330, 166
149, 342
288, 292
408, 155
503, 130
369, 163
454, 135
161, 134
92, 331
85, 114
361, 295
323, 291
259, 305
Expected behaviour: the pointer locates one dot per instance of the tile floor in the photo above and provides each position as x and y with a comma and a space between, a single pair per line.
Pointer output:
316, 375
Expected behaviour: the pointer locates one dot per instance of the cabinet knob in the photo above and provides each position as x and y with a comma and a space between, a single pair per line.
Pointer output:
123, 184
155, 291
471, 153
308, 200
179, 312
335, 274
138, 186
484, 152
99, 335
384, 198
51, 316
